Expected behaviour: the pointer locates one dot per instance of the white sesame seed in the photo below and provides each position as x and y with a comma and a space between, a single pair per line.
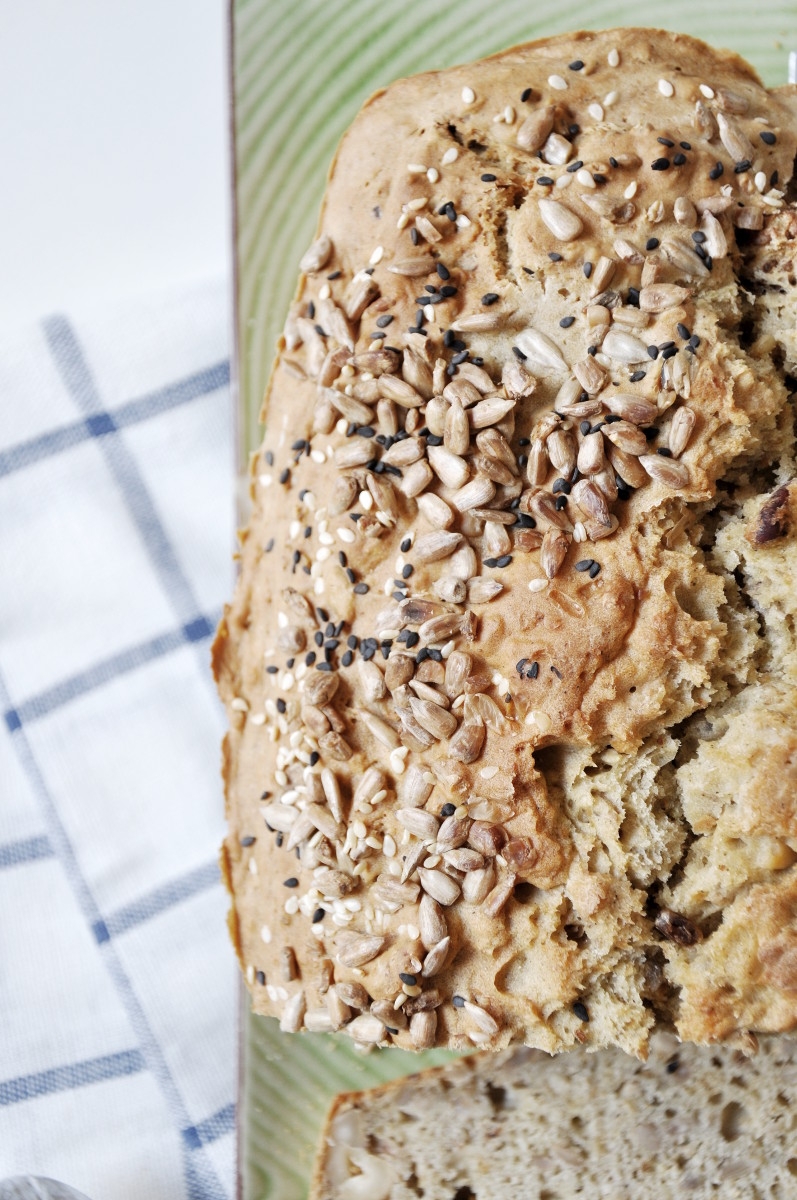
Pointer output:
345, 535
366, 501
537, 585
419, 202
416, 169
292, 905
325, 292
595, 111
400, 564
252, 867
287, 681
389, 847
760, 180
433, 174
666, 88
359, 829
397, 764
376, 256
630, 191
488, 772
584, 177
509, 115
446, 650
265, 934
557, 83
613, 57
428, 312
342, 425
403, 221
413, 932
250, 974
609, 99
451, 155
462, 221
468, 95
564, 181
239, 704
295, 529
319, 587
707, 91
265, 480
379, 797
318, 456
282, 620
373, 842
322, 554
388, 587
258, 718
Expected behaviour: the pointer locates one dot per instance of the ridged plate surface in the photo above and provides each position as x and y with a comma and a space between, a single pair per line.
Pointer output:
301, 70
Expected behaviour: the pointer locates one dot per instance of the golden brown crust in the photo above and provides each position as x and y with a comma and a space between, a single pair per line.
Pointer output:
498, 562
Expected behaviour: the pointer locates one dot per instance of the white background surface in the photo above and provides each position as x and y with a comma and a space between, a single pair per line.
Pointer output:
114, 165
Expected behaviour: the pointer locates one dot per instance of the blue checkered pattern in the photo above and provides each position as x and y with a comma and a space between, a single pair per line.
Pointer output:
117, 983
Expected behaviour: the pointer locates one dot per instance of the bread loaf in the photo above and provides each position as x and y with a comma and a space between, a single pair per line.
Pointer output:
693, 1121
511, 665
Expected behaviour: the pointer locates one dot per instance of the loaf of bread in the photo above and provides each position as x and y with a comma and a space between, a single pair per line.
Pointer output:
511, 667
693, 1122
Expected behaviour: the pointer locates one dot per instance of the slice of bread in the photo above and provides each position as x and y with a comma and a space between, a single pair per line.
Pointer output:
692, 1122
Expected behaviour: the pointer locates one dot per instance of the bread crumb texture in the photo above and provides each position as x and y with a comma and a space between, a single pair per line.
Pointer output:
511, 667
692, 1121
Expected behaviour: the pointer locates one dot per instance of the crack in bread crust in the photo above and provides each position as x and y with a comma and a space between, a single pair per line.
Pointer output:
510, 667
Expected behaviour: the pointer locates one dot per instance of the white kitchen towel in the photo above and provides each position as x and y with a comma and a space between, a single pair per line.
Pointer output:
117, 982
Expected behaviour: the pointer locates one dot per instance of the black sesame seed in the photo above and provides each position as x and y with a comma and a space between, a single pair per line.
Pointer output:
269, 546
410, 980
585, 428
533, 671
525, 95
290, 883
574, 130
544, 181
352, 578
284, 475
587, 269
613, 162
260, 976
320, 330
435, 655
584, 564
651, 432
633, 297
490, 562
272, 670
664, 452
281, 706
520, 665
672, 1066
576, 66
682, 331
653, 351
448, 290
518, 353
768, 137
594, 570
458, 1001
398, 596
448, 810
685, 145
278, 839
669, 352
635, 376
405, 545
488, 178
679, 160
716, 171
592, 350
407, 570
323, 666
504, 560
309, 658
490, 298
742, 166
556, 672
318, 915
694, 341
665, 141
566, 322
443, 271
412, 640
575, 166
334, 275
652, 243
660, 164
554, 257
384, 320
581, 1011
361, 589
598, 178
560, 502
269, 456
248, 841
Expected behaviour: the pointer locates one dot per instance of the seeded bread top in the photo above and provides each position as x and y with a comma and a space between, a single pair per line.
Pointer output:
495, 597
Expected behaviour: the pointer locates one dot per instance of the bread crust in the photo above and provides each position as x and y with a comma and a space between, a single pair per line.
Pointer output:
472, 586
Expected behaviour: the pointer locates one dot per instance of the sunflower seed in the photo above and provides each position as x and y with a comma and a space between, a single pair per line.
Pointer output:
463, 564
606, 482
602, 274
618, 211
540, 350
542, 505
324, 820
630, 407
317, 256
466, 744
456, 438
331, 786
439, 886
416, 371
435, 960
681, 426
561, 447
425, 691
355, 949
458, 668
416, 787
279, 816
413, 268
684, 212
716, 244
557, 150
683, 257
476, 885
343, 495
591, 501
555, 545
394, 894
748, 218
435, 510
400, 392
477, 376
496, 539
537, 466
494, 445
490, 411
493, 469
453, 834
487, 839
404, 453
417, 478
388, 1014
385, 734
335, 322
452, 590
481, 707
293, 1012
339, 1011
450, 469
591, 454
494, 903
534, 130
361, 292
485, 322
441, 628
518, 383
563, 223
366, 1029
461, 390
481, 1018
478, 492
354, 453
662, 296
423, 1028
734, 140
628, 252
435, 720
378, 362
589, 374
371, 782
665, 470
399, 670
320, 687
431, 922
626, 436
624, 347
627, 467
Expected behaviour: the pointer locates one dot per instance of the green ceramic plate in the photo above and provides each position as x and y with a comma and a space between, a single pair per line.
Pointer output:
301, 70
